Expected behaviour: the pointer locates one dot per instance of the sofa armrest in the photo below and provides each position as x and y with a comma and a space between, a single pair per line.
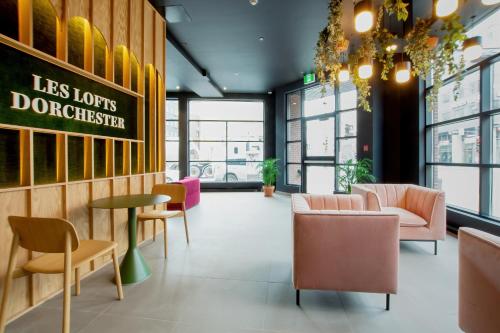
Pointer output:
370, 197
479, 281
430, 204
346, 251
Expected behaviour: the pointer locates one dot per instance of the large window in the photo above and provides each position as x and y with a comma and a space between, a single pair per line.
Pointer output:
172, 139
226, 140
463, 134
321, 135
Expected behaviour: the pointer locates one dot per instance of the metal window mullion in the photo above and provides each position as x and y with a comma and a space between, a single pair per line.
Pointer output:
485, 152
335, 135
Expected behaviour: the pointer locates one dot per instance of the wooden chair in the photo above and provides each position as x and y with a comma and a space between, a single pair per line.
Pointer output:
64, 252
177, 193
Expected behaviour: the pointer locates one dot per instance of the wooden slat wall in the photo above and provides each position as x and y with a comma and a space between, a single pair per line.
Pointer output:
137, 26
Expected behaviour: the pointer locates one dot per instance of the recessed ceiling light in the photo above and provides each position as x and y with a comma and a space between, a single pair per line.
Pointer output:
261, 39
177, 87
270, 92
225, 88
237, 74
254, 2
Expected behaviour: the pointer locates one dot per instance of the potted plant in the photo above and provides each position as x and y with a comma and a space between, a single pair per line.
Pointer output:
354, 173
269, 171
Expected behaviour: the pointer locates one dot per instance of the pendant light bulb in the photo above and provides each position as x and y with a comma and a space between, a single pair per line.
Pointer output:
446, 7
365, 70
403, 71
472, 48
363, 16
344, 75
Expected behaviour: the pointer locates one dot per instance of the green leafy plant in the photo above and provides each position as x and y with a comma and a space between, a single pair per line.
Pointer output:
331, 43
384, 39
366, 50
419, 49
269, 171
355, 173
398, 8
444, 61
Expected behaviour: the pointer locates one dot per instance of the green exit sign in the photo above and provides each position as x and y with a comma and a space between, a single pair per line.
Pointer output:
309, 78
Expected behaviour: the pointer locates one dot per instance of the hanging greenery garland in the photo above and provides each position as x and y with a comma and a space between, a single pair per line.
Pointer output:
427, 59
366, 50
398, 8
330, 45
444, 61
384, 39
420, 49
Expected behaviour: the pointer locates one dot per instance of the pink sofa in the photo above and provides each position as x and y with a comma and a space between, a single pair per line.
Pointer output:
479, 281
192, 185
338, 246
422, 211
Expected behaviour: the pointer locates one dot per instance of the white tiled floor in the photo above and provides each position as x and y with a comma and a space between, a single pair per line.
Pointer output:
236, 277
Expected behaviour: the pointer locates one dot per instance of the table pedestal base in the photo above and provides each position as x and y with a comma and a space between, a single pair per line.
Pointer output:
134, 268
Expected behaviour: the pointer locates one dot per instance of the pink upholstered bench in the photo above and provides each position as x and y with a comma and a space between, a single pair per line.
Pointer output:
192, 185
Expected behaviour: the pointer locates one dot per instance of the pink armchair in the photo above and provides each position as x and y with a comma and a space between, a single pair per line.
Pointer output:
421, 210
479, 281
338, 246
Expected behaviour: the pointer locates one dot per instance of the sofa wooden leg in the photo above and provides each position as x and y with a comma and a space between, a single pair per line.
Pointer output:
435, 247
297, 297
387, 302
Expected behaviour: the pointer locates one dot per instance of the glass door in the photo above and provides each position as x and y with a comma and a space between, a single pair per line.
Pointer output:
319, 140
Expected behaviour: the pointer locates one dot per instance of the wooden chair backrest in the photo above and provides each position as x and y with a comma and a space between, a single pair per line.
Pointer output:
177, 192
46, 235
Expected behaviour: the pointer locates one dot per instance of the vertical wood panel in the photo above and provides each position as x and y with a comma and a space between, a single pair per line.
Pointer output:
47, 202
120, 22
79, 8
148, 39
120, 216
101, 18
136, 29
136, 25
13, 203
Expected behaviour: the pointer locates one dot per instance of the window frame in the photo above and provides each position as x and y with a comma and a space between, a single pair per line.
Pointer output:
226, 141
167, 140
331, 161
485, 118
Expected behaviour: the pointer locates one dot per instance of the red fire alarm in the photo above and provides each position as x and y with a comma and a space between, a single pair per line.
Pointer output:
365, 148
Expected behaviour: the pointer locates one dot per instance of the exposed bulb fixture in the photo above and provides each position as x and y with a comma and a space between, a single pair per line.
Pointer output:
225, 88
446, 7
391, 48
254, 2
363, 16
403, 71
269, 92
177, 87
472, 48
261, 39
490, 2
344, 73
365, 69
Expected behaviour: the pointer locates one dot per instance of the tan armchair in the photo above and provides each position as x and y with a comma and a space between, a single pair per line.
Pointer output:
338, 246
421, 210
478, 281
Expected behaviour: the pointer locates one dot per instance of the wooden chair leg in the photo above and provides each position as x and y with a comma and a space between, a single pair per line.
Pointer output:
8, 282
186, 227
67, 286
118, 278
154, 230
165, 239
77, 281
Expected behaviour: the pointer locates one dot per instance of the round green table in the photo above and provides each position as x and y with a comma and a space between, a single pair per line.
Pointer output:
133, 268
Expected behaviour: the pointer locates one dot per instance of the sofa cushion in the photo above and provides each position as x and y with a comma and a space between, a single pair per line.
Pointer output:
406, 218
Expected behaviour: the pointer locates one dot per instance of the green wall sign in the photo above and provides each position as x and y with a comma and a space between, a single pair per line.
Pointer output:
37, 93
309, 78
